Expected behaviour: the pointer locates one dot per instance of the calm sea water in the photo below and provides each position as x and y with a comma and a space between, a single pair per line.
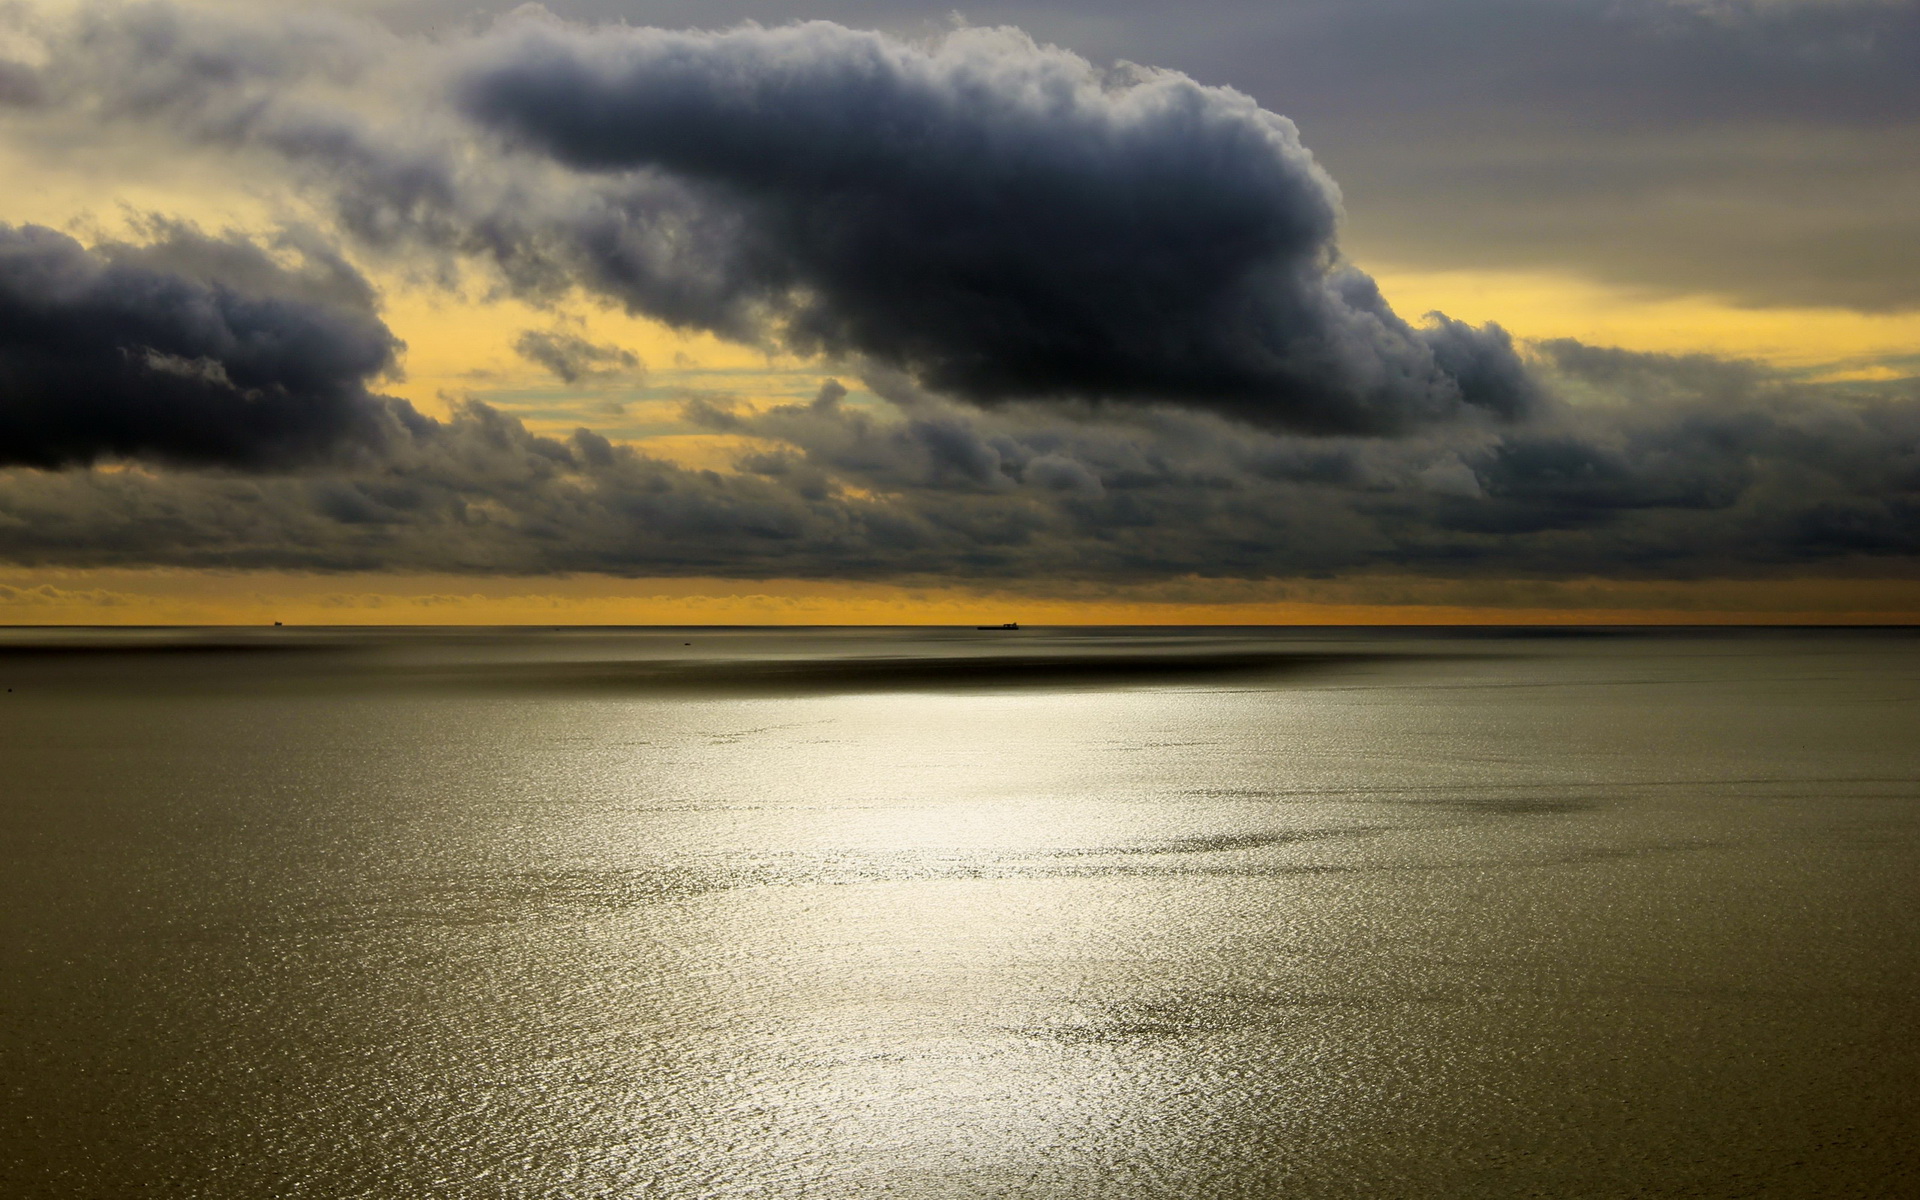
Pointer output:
1118, 913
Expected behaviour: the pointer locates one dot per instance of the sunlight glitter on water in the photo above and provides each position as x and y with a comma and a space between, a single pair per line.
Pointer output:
829, 915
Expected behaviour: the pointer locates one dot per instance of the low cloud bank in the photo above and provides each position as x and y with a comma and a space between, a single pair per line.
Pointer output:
1723, 469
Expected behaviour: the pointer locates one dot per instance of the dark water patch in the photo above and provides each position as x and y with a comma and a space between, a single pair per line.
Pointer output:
985, 672
77, 652
450, 901
1600, 854
1528, 633
1221, 842
339, 662
118, 664
1459, 799
1107, 1033
1522, 806
196, 664
1217, 843
1571, 797
1648, 633
1210, 1014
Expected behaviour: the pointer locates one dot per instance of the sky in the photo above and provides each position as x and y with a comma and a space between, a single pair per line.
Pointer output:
1322, 311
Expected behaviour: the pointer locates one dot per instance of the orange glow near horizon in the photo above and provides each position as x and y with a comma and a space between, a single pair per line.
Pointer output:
169, 597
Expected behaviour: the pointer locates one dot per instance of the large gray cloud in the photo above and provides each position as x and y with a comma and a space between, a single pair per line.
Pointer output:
1000, 219
189, 349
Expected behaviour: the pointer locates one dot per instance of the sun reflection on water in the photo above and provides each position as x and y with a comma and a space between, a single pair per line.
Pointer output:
1448, 925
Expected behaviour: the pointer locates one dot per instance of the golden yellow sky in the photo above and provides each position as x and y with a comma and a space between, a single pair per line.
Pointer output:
165, 597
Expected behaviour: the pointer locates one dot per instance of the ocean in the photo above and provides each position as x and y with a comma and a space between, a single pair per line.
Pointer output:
959, 913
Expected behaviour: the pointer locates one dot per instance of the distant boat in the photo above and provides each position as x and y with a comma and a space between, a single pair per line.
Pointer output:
1008, 625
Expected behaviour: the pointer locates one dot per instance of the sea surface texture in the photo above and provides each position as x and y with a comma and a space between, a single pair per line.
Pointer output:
959, 913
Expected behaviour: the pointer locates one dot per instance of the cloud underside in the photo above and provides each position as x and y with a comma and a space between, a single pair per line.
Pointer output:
188, 349
1105, 309
1732, 471
999, 219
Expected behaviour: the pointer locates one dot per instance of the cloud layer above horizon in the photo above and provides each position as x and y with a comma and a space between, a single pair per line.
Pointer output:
1100, 316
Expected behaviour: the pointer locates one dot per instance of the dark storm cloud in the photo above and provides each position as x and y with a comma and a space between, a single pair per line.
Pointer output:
190, 349
1001, 219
